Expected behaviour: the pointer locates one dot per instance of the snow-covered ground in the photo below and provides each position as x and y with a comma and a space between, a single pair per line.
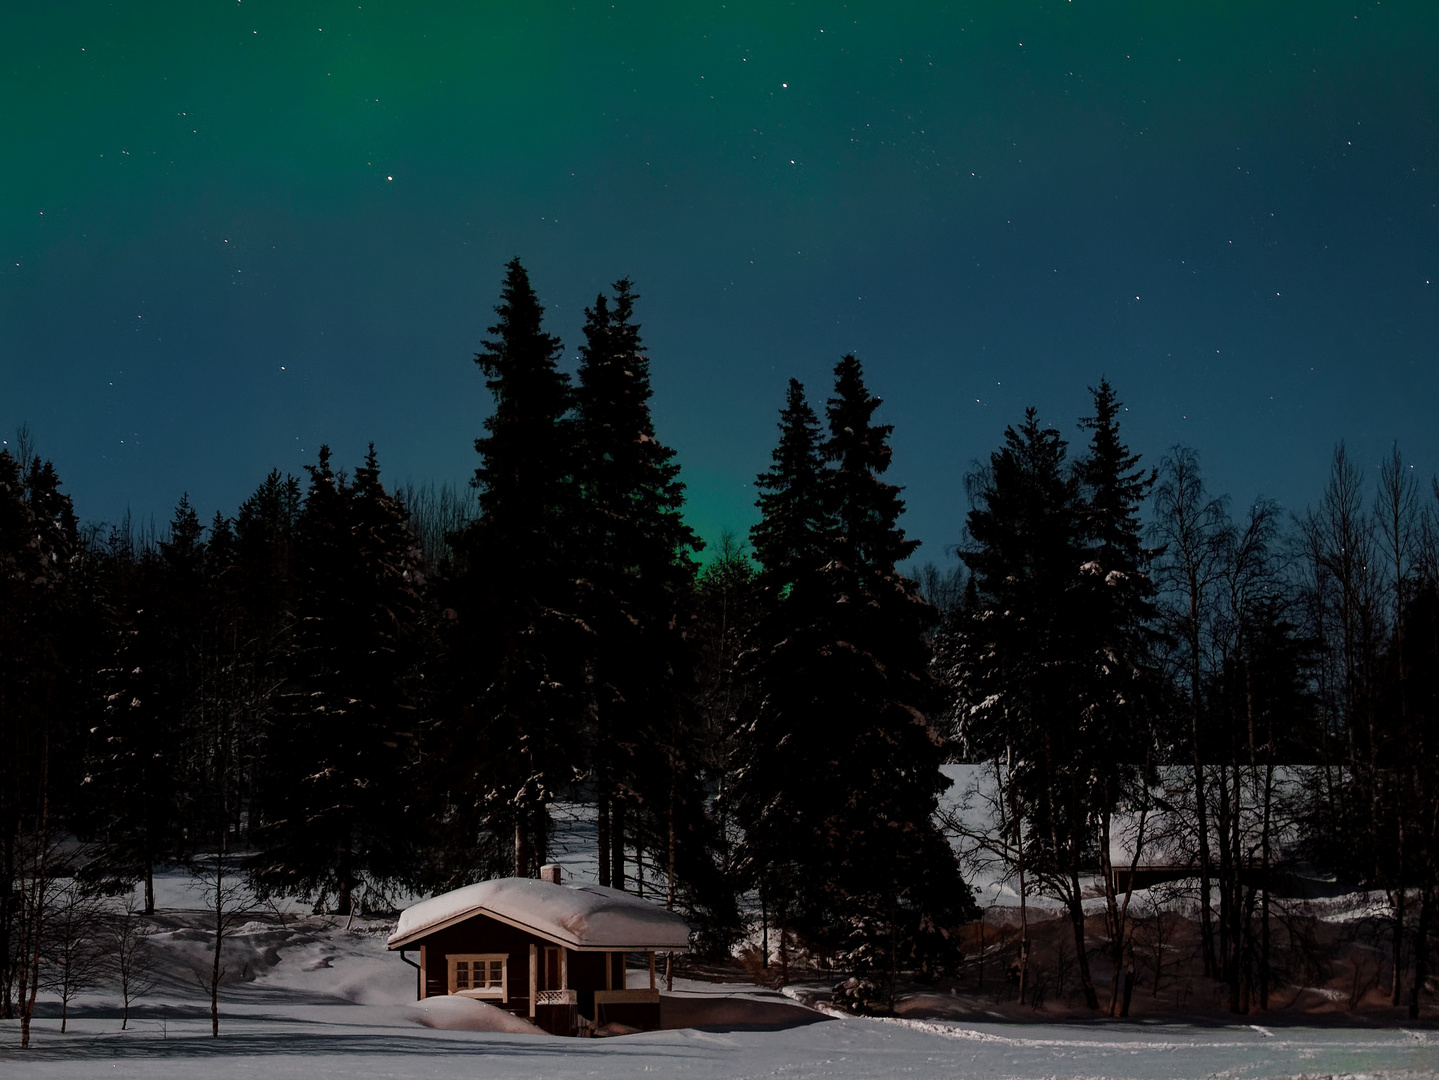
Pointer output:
277, 1033
315, 999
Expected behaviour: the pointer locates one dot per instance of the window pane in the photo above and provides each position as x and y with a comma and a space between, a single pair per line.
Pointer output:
497, 972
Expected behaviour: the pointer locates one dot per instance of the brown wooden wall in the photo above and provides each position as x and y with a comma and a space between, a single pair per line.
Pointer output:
482, 934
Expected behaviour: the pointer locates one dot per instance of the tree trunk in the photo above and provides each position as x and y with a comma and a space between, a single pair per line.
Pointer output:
345, 895
1233, 898
1023, 927
216, 972
1018, 824
1397, 984
604, 796
1111, 908
30, 975
1264, 895
1222, 969
603, 834
784, 943
617, 845
1206, 882
35, 918
670, 878
540, 838
1421, 954
1201, 814
522, 843
1076, 922
763, 931
1117, 913
981, 951
7, 924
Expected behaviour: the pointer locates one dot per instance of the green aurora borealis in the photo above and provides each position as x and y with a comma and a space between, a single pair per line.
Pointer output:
230, 231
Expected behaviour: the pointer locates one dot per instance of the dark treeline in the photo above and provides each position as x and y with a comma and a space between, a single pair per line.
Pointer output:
345, 691
1242, 700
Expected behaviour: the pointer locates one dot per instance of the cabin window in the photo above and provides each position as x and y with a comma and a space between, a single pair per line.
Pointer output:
479, 975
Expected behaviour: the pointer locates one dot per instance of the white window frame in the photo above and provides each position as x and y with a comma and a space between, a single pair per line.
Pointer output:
488, 992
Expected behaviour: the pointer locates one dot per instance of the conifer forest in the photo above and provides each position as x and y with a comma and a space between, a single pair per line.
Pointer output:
355, 691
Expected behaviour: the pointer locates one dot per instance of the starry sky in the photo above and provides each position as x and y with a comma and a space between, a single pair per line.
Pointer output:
231, 230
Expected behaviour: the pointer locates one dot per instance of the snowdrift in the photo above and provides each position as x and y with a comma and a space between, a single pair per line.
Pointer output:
465, 1014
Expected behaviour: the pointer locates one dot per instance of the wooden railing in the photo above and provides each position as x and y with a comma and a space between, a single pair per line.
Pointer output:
557, 997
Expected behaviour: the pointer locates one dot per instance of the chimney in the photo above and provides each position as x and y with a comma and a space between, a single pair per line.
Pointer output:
550, 872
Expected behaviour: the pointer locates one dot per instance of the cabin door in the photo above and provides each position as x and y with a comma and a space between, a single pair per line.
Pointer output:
548, 969
550, 976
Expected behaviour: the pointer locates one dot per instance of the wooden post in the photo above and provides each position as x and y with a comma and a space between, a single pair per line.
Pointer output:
609, 971
534, 978
564, 969
424, 978
652, 969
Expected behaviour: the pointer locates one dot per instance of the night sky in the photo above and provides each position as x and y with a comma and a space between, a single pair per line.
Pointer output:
230, 231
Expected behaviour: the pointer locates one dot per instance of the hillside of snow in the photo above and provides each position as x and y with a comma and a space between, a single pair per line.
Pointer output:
310, 997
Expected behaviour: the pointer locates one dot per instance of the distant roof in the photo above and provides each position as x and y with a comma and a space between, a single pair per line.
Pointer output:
583, 917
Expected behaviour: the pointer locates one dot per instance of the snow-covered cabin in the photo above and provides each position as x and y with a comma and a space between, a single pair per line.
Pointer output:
542, 949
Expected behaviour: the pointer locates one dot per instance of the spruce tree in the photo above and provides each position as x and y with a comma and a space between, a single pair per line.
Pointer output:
252, 581
1022, 661
790, 536
515, 647
1120, 682
896, 875
728, 607
840, 778
141, 772
641, 573
46, 687
265, 555
1118, 593
344, 719
790, 541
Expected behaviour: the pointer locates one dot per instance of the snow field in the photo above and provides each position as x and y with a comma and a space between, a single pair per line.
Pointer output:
310, 999
280, 1041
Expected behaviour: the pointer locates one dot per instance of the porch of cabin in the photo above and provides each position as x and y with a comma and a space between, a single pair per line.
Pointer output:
593, 985
485, 959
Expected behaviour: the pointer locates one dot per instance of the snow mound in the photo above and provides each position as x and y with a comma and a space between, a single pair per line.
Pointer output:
455, 1013
575, 915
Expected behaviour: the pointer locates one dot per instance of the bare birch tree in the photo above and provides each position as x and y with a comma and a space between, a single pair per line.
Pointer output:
73, 954
1193, 528
131, 953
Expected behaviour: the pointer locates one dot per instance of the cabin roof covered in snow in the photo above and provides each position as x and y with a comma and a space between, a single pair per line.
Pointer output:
588, 918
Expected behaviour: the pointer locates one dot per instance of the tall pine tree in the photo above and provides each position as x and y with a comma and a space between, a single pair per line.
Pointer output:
841, 775
1121, 685
640, 606
516, 644
790, 536
1022, 662
345, 719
